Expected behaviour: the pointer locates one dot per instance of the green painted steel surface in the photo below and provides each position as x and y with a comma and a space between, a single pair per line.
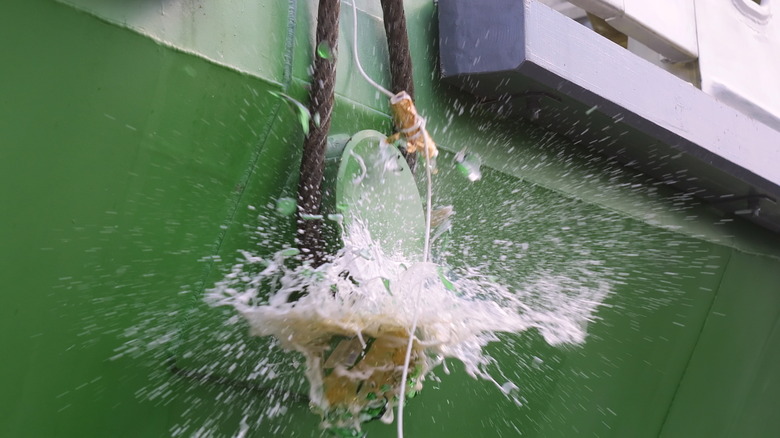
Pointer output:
128, 166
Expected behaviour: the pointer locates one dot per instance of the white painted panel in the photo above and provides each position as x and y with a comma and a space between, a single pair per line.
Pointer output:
565, 8
605, 9
739, 50
666, 26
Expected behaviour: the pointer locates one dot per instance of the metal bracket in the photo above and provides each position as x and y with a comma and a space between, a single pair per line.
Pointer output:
624, 106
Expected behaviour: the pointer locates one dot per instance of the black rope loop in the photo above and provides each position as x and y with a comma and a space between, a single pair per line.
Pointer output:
321, 94
400, 57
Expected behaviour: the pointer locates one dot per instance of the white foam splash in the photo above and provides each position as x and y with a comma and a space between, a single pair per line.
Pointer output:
365, 293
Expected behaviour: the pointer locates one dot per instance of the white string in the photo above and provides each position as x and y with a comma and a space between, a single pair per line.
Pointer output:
355, 53
426, 258
428, 194
363, 169
419, 123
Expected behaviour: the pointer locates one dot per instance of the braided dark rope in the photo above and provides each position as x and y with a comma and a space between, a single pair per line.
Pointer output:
400, 57
321, 107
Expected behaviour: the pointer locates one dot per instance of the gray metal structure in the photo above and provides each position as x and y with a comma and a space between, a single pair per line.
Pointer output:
524, 56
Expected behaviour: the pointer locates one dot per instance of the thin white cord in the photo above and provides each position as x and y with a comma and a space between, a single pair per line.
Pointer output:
405, 372
363, 169
426, 258
357, 58
426, 248
428, 194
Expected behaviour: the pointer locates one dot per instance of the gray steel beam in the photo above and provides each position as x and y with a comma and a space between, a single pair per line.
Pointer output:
504, 49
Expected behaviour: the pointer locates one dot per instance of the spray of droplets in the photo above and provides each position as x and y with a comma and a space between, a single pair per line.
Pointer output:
363, 295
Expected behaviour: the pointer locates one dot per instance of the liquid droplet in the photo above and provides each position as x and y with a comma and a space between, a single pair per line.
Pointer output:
190, 70
286, 206
324, 50
445, 281
303, 113
469, 164
386, 282
289, 252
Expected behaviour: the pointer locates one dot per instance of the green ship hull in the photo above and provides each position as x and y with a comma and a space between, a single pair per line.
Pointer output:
135, 164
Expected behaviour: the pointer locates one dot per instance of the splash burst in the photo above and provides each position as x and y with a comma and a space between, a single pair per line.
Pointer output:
356, 314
